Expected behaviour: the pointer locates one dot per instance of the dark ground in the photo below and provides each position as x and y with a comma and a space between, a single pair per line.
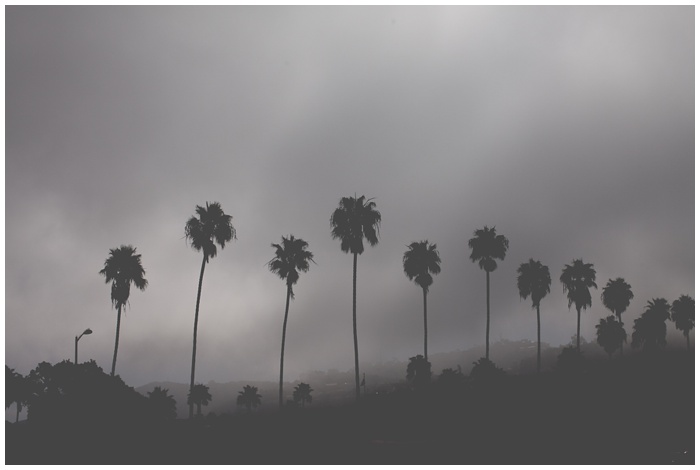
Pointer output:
632, 411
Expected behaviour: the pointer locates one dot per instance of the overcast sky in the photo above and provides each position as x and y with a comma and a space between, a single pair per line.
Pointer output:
569, 129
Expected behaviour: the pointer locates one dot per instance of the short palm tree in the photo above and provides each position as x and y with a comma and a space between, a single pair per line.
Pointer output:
291, 257
683, 315
211, 227
163, 405
199, 395
610, 334
534, 281
577, 278
486, 248
419, 262
122, 268
302, 394
650, 329
249, 397
616, 297
354, 220
418, 371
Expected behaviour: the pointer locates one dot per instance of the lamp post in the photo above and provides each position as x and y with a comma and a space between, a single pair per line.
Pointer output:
77, 338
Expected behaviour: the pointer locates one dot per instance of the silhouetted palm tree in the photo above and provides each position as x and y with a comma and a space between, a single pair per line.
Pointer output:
17, 390
249, 397
610, 334
353, 221
683, 315
616, 297
534, 281
211, 227
122, 268
162, 404
419, 262
290, 258
302, 394
577, 278
418, 371
199, 395
650, 329
486, 248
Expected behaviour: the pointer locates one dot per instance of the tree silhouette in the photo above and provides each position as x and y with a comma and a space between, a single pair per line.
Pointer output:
683, 315
616, 297
418, 371
290, 258
486, 248
650, 328
249, 397
302, 394
485, 370
17, 390
419, 262
163, 405
211, 227
199, 395
534, 281
577, 278
353, 221
610, 334
122, 268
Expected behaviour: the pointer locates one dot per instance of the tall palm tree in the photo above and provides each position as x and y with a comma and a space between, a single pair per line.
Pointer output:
487, 247
290, 258
650, 329
419, 262
534, 281
616, 297
683, 315
610, 334
249, 397
302, 394
211, 227
354, 220
122, 268
577, 278
199, 395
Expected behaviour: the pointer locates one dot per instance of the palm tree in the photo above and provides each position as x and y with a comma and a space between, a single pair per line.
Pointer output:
683, 315
577, 278
17, 390
419, 262
487, 247
650, 329
163, 405
616, 297
610, 334
211, 227
302, 393
290, 258
353, 221
122, 268
534, 281
418, 371
249, 397
199, 395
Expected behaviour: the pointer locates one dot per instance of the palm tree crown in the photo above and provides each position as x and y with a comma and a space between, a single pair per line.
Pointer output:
616, 296
533, 281
123, 268
683, 315
199, 395
650, 329
576, 279
354, 220
420, 261
249, 397
610, 334
211, 227
487, 247
291, 257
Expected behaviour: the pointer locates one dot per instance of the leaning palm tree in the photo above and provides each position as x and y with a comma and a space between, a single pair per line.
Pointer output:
487, 247
249, 397
211, 227
199, 395
354, 220
650, 329
302, 394
683, 315
290, 258
577, 278
419, 262
122, 268
616, 297
610, 334
534, 281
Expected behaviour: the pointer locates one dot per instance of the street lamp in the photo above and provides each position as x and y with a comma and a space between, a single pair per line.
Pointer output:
77, 338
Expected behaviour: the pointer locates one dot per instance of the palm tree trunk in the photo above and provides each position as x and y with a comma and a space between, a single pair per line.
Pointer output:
19, 408
116, 340
619, 318
194, 337
687, 339
578, 329
284, 334
538, 338
354, 325
488, 313
199, 409
425, 323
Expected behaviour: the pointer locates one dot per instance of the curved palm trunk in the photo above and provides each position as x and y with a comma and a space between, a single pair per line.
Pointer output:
194, 338
425, 323
488, 313
538, 338
354, 324
284, 334
578, 329
116, 340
